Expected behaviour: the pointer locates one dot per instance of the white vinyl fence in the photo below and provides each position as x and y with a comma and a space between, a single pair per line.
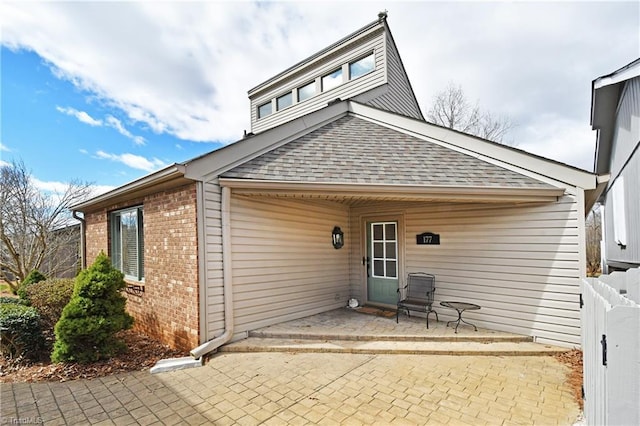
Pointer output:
610, 320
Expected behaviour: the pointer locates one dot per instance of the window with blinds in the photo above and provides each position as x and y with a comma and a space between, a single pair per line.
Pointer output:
127, 242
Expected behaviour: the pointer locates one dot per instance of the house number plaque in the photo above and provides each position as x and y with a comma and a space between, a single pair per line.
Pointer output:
428, 238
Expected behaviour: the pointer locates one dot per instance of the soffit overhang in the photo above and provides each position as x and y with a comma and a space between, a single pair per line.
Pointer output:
350, 193
605, 96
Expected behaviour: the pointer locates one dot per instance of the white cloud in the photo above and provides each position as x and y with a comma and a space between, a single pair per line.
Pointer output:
111, 121
80, 115
50, 186
57, 189
83, 151
4, 163
4, 148
133, 161
185, 68
96, 190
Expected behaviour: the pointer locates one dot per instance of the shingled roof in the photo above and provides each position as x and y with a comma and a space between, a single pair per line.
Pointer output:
351, 150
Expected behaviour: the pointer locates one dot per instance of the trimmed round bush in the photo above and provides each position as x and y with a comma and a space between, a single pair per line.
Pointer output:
33, 277
96, 312
50, 297
20, 332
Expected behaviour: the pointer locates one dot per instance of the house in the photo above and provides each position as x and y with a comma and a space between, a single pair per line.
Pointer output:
338, 192
64, 261
615, 114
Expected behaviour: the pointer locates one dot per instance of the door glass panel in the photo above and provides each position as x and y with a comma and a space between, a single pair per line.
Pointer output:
391, 268
384, 249
378, 232
378, 268
390, 231
391, 250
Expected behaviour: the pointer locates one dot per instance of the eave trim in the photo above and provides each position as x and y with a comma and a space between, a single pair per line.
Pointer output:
376, 190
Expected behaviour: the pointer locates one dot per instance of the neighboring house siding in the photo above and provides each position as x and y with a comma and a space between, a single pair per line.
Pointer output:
347, 90
284, 264
168, 308
215, 321
521, 263
399, 98
625, 141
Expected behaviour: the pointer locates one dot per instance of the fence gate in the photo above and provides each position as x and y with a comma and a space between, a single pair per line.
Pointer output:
610, 321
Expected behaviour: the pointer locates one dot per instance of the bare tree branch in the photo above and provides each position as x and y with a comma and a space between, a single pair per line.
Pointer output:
450, 108
34, 225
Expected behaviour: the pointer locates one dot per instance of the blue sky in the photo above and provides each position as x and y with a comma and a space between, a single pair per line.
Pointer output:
107, 92
63, 133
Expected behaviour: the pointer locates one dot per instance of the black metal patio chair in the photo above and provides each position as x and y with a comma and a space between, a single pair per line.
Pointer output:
417, 295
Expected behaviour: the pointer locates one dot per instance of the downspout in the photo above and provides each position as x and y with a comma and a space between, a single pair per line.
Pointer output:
83, 241
225, 337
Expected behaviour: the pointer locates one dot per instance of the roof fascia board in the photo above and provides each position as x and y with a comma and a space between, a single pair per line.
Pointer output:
312, 60
605, 95
502, 155
173, 172
377, 190
210, 166
627, 72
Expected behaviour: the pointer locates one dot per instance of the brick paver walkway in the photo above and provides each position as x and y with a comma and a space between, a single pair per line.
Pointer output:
310, 388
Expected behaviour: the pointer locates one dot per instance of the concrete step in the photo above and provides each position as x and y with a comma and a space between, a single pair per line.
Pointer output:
259, 344
483, 338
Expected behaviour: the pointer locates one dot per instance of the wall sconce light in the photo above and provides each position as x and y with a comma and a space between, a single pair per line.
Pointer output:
337, 237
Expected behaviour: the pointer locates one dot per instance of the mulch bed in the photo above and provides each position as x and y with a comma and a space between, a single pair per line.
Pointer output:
573, 360
143, 352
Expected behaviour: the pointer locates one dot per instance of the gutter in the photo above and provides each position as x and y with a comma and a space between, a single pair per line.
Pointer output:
225, 337
83, 240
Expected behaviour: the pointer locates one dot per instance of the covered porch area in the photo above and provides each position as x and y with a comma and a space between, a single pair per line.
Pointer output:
347, 330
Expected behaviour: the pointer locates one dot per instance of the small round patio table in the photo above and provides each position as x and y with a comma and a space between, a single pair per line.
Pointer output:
460, 307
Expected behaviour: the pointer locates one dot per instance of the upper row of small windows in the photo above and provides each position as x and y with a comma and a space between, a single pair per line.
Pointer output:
327, 82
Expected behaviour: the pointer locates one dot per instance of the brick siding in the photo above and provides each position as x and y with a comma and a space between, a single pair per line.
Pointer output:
168, 309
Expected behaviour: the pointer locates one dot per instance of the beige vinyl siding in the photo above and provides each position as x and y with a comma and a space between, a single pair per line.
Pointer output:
521, 263
284, 265
374, 43
213, 261
399, 98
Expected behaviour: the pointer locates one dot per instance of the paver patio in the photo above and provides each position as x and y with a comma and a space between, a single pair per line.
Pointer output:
310, 388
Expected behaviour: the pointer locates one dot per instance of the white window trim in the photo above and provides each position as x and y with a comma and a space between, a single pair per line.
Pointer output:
619, 213
117, 259
385, 258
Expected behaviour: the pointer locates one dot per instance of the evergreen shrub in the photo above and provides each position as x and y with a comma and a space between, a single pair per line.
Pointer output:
32, 277
50, 297
14, 300
20, 332
96, 312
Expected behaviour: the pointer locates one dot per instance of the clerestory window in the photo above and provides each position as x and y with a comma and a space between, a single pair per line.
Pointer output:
332, 80
362, 66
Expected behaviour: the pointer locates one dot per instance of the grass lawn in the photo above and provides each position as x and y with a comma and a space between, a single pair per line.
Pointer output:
5, 289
